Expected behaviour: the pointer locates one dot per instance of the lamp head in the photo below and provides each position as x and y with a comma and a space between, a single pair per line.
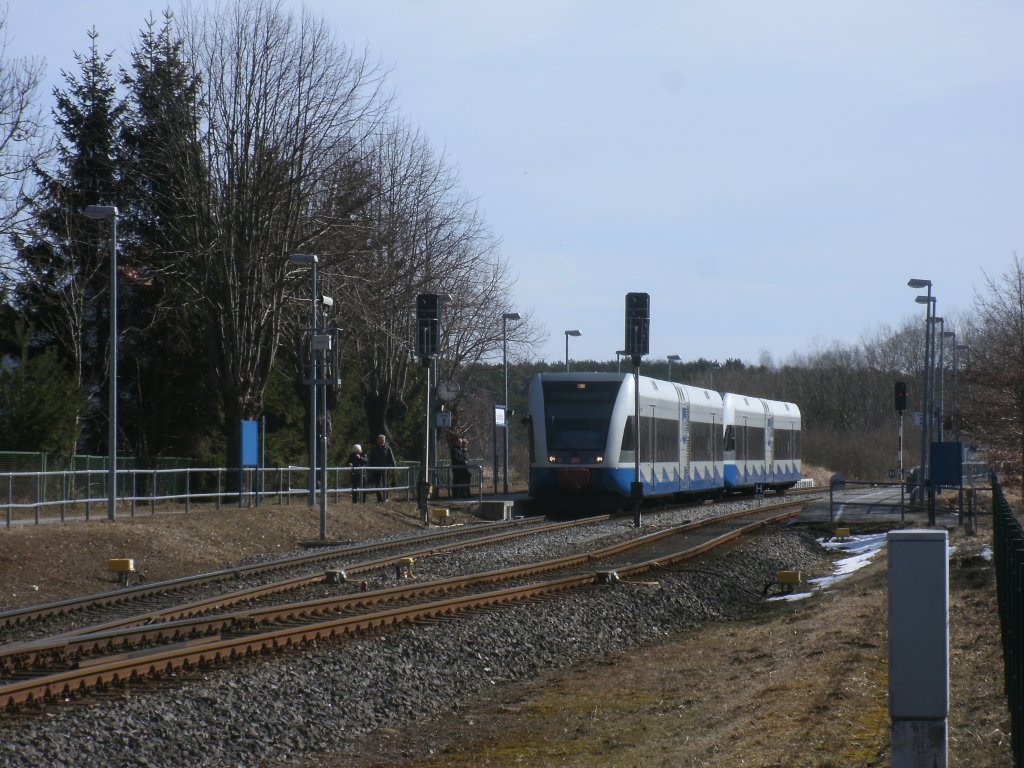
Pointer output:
919, 283
303, 258
574, 333
511, 316
100, 211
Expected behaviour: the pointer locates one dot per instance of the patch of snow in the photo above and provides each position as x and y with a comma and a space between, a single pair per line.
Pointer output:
861, 550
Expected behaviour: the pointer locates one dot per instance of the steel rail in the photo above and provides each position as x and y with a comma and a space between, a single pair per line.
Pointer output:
18, 616
190, 655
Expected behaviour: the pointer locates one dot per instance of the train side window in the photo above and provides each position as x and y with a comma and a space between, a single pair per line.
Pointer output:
730, 438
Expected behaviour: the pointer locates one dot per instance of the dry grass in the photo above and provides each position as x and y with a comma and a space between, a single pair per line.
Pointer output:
802, 684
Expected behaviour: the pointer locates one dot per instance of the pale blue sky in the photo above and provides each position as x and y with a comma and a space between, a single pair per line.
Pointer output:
771, 172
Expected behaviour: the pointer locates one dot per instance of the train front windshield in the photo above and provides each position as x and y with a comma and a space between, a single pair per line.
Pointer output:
577, 414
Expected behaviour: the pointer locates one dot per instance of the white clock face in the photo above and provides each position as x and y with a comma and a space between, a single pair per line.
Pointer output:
448, 390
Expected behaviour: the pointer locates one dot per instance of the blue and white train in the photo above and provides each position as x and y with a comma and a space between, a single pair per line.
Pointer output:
694, 442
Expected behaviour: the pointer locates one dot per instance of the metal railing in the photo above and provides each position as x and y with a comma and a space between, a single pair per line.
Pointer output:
81, 494
1008, 553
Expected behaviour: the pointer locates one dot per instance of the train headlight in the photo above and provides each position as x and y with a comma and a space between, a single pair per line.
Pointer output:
599, 459
552, 459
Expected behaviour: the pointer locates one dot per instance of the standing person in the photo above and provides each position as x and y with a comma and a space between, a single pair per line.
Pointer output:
356, 461
460, 471
381, 457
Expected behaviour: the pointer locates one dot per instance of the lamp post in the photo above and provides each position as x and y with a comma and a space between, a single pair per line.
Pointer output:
567, 335
671, 358
711, 374
312, 260
322, 344
100, 213
924, 475
504, 360
942, 374
619, 354
956, 388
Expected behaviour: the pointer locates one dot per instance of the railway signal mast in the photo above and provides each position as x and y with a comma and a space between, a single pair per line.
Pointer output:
638, 335
428, 345
901, 406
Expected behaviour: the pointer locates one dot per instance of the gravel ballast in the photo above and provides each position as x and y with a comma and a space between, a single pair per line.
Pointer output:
286, 708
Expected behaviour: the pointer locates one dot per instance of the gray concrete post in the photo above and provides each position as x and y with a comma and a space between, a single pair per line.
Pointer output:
918, 647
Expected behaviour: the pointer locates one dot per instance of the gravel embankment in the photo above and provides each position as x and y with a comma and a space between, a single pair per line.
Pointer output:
286, 708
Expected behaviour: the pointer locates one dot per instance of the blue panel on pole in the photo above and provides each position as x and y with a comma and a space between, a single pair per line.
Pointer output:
250, 444
947, 466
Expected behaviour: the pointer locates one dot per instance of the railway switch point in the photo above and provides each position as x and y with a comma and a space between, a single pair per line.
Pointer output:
403, 568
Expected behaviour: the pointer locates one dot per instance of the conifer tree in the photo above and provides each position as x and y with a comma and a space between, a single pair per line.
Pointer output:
64, 257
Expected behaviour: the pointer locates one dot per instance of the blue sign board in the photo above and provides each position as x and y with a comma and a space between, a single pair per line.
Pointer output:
250, 444
947, 466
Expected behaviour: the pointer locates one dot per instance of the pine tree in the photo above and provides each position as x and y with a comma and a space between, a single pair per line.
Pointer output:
65, 257
173, 408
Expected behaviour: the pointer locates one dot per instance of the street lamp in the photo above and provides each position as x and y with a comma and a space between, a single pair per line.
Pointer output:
924, 474
322, 346
711, 374
567, 335
956, 390
942, 376
504, 360
312, 260
100, 213
676, 358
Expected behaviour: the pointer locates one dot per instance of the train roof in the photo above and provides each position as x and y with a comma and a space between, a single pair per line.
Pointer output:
647, 384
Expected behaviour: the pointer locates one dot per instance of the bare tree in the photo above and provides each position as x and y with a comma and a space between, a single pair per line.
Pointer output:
995, 374
419, 233
281, 106
21, 132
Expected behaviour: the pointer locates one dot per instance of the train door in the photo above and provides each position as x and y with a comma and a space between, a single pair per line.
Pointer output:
684, 447
769, 454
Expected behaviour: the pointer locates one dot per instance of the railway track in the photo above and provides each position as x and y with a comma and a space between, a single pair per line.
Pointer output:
206, 591
189, 638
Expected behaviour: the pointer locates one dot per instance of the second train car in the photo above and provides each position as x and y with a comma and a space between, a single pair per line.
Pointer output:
694, 442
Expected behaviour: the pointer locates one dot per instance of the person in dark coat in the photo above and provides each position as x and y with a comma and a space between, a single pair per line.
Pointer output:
381, 457
356, 461
460, 469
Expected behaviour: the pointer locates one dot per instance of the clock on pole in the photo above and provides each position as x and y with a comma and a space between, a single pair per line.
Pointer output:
448, 390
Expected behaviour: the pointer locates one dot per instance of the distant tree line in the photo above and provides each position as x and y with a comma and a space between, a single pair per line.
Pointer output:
241, 134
